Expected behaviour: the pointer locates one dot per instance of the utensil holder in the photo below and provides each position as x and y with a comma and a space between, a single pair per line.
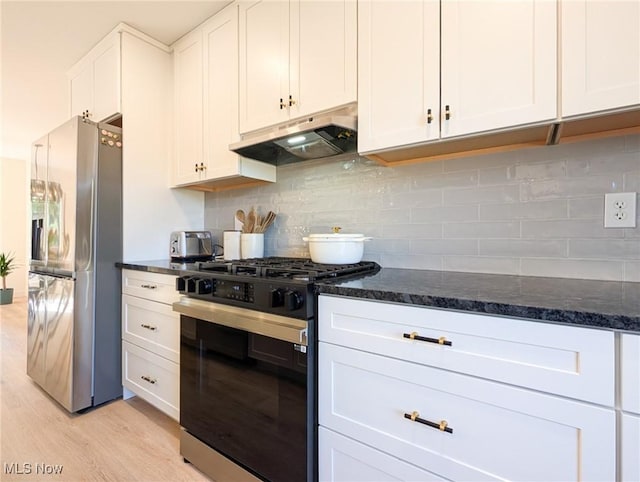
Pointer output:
252, 245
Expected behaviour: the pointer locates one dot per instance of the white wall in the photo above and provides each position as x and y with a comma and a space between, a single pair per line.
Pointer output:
13, 220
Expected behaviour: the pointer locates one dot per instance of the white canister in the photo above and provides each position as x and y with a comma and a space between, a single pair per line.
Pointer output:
252, 245
232, 245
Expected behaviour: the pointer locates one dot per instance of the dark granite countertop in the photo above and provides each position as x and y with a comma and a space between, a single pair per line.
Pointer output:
591, 303
163, 266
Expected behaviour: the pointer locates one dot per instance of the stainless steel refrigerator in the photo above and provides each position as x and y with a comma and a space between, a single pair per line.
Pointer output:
73, 333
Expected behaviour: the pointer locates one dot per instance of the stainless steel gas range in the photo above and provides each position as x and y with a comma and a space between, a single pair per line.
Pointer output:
247, 366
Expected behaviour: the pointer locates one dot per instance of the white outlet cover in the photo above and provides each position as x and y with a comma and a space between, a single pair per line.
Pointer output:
620, 217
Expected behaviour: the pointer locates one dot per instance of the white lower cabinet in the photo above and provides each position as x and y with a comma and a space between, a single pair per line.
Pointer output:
151, 339
344, 460
497, 432
630, 406
488, 406
151, 377
630, 448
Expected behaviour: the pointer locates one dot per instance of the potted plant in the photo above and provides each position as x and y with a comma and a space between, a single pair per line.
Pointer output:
6, 267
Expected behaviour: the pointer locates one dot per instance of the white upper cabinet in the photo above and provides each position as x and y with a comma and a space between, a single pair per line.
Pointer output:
498, 64
399, 73
206, 108
296, 58
188, 82
94, 82
600, 55
431, 69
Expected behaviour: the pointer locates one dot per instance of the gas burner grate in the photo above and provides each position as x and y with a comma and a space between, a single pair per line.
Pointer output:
286, 268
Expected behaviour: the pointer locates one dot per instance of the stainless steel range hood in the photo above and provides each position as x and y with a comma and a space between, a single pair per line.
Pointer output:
322, 136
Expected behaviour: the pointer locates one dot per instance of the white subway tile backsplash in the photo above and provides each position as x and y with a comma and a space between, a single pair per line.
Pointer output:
561, 188
605, 248
632, 182
410, 199
481, 264
400, 260
519, 248
632, 271
413, 231
444, 246
536, 211
556, 209
587, 208
625, 161
388, 246
482, 195
477, 230
449, 179
573, 268
444, 214
484, 160
632, 143
570, 228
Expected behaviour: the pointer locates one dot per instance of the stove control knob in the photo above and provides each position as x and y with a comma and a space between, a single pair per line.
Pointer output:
293, 300
204, 286
277, 298
191, 285
181, 284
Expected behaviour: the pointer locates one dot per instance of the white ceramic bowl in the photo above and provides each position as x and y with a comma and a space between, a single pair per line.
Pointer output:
336, 248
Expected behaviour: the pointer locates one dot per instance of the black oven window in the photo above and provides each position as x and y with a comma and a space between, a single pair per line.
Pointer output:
245, 395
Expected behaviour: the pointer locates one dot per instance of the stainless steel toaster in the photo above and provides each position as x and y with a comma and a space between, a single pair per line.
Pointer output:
190, 245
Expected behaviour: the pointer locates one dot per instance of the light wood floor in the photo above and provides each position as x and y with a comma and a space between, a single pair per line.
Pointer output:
119, 441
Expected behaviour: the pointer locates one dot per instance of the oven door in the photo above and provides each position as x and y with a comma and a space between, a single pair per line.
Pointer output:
244, 393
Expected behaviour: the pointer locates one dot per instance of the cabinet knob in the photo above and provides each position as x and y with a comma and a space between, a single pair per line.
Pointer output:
196, 167
447, 112
202, 166
429, 116
291, 102
282, 104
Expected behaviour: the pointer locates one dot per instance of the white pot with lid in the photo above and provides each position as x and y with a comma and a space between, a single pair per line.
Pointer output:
336, 248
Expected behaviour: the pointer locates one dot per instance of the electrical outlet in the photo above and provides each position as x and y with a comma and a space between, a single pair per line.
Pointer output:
620, 210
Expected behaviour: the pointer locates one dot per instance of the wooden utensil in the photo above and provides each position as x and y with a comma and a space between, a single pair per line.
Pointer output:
251, 221
240, 216
268, 219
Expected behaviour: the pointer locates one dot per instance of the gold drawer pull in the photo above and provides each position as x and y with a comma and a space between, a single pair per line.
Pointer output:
440, 341
149, 327
149, 287
442, 425
149, 379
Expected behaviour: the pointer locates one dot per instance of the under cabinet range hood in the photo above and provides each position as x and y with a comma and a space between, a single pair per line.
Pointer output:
322, 136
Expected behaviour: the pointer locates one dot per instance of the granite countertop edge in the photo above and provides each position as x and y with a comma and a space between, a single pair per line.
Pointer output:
585, 319
160, 267
590, 303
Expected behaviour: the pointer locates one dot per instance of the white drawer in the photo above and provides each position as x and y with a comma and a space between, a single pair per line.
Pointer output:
564, 360
341, 459
499, 432
630, 373
630, 448
151, 325
152, 286
151, 377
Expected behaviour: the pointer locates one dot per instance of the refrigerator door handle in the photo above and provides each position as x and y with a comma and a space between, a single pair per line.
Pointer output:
91, 226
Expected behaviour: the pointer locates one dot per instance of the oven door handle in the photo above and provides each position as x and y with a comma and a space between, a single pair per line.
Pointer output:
267, 324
